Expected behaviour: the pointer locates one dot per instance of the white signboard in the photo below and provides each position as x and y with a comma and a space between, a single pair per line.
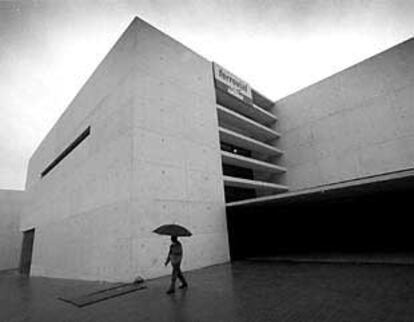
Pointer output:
232, 84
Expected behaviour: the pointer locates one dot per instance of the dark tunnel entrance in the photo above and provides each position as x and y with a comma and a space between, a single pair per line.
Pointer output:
372, 218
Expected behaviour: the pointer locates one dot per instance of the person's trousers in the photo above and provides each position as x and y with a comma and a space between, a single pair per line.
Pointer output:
177, 273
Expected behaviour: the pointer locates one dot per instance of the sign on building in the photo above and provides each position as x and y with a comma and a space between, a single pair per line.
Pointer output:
231, 84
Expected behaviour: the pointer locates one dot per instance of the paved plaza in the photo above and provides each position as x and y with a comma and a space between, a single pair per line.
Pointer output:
242, 291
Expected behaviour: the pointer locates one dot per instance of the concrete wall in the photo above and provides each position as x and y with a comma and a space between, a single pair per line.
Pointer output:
152, 157
11, 205
77, 205
356, 123
176, 155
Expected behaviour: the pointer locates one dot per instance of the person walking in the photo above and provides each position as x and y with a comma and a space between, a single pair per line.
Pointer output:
175, 256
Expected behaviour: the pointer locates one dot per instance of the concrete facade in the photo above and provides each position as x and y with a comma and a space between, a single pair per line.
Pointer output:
146, 141
152, 157
357, 123
11, 206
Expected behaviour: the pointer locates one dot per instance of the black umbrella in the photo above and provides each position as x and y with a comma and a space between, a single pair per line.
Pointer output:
173, 230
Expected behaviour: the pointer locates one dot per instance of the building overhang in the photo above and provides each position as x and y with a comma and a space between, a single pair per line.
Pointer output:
389, 181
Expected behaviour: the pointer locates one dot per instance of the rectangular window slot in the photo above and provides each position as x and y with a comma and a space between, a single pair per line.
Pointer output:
65, 152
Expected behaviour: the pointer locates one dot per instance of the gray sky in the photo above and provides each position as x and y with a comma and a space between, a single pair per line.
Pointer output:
49, 48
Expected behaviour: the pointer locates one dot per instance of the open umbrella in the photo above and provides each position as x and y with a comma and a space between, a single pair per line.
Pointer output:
173, 230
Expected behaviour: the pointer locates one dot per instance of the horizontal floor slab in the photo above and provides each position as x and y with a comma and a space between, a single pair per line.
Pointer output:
246, 142
254, 184
250, 163
250, 110
256, 129
262, 100
390, 181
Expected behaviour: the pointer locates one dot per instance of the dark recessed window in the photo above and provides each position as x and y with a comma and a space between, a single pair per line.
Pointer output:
234, 149
65, 152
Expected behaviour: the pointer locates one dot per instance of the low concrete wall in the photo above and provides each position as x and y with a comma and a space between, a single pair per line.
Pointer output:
11, 204
356, 123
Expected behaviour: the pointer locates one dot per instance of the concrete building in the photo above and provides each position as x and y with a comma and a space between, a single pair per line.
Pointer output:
349, 151
159, 134
354, 124
11, 207
138, 147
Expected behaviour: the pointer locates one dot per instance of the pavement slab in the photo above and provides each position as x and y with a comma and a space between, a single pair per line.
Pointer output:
240, 291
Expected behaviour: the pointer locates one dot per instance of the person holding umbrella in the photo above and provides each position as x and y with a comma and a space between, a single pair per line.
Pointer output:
175, 253
175, 256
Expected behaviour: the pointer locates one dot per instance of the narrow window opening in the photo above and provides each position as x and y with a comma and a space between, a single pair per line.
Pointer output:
65, 152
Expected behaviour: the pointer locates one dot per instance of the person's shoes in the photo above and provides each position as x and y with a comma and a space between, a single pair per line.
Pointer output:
183, 285
170, 291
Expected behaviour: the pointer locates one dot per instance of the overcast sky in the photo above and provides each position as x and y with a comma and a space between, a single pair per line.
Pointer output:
49, 48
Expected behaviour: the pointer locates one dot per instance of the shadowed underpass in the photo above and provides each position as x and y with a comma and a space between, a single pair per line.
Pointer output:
363, 220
